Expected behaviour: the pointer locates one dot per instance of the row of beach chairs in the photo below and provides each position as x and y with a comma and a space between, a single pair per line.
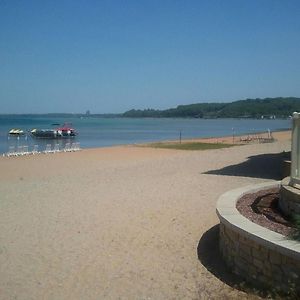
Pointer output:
258, 138
24, 150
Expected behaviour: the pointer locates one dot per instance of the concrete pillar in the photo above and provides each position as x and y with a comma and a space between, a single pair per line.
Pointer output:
295, 166
289, 200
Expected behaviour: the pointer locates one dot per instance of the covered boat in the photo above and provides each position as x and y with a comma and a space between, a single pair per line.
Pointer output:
66, 131
16, 132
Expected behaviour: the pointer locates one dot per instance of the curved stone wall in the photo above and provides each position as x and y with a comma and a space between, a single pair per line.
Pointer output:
257, 254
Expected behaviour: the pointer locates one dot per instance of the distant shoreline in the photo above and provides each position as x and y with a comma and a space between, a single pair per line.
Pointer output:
105, 116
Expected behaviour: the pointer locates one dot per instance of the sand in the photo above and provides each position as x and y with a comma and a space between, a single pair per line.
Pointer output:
123, 222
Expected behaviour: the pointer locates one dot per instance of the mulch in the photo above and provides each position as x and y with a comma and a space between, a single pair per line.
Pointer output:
262, 208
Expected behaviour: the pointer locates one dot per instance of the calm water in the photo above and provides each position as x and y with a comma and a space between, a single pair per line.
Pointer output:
101, 132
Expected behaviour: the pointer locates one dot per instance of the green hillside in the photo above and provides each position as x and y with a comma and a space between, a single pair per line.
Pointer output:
249, 108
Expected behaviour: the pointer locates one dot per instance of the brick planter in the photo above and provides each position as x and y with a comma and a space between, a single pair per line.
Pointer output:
259, 255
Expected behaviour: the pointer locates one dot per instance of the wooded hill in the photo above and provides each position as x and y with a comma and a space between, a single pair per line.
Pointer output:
249, 108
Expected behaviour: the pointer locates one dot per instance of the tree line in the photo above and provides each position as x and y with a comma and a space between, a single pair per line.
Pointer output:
280, 107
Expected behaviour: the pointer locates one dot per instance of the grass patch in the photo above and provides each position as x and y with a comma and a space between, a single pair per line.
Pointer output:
190, 146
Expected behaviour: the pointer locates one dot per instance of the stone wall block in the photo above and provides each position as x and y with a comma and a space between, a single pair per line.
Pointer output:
246, 249
241, 263
246, 242
254, 245
258, 264
263, 280
278, 277
259, 254
264, 252
267, 271
246, 256
275, 258
291, 272
232, 235
252, 272
291, 261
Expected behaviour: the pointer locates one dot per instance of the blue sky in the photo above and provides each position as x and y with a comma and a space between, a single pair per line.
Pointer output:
112, 56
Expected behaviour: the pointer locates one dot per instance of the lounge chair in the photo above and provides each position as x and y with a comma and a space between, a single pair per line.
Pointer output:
67, 147
11, 151
48, 149
35, 149
56, 148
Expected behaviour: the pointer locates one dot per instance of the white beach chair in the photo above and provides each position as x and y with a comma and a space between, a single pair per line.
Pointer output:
56, 148
75, 147
35, 149
67, 147
20, 151
11, 151
25, 150
48, 149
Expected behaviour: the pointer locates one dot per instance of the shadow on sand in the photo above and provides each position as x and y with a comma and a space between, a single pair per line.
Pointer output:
210, 257
267, 166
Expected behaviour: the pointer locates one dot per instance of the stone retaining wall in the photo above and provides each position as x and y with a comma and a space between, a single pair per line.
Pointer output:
258, 255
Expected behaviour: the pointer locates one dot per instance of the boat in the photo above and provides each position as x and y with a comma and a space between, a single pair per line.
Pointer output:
16, 132
66, 131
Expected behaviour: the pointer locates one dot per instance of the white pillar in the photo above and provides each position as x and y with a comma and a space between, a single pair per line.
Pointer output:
295, 165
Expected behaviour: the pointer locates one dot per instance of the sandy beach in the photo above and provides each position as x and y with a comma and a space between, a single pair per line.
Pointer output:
123, 222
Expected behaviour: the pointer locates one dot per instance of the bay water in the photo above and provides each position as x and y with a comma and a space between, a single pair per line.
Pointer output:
103, 132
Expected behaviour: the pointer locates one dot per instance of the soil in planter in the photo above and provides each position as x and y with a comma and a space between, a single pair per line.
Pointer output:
262, 208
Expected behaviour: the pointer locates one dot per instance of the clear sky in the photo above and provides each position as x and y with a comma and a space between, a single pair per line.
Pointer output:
112, 56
